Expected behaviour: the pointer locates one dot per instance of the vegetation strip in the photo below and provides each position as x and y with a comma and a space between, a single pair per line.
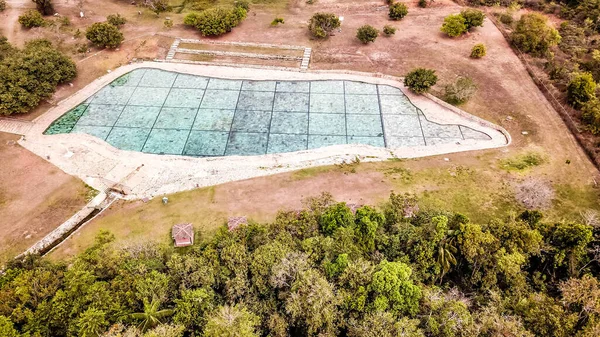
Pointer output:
327, 269
588, 148
237, 54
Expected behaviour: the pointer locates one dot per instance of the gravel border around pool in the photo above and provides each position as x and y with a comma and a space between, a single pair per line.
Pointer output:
142, 175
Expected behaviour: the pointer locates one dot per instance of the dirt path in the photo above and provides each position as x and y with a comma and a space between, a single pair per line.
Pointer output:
9, 18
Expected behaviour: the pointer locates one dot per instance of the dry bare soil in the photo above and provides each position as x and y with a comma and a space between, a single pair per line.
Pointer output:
474, 183
35, 197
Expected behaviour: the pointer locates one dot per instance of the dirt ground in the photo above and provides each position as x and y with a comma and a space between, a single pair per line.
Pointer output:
35, 197
506, 96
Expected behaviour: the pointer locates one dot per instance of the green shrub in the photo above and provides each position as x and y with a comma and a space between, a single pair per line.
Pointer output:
2, 5
506, 18
533, 35
157, 6
460, 91
454, 25
322, 24
32, 18
82, 48
398, 10
590, 114
116, 20
44, 6
420, 80
104, 35
64, 21
168, 23
473, 17
423, 3
524, 161
581, 89
367, 34
389, 30
29, 75
216, 21
478, 51
277, 21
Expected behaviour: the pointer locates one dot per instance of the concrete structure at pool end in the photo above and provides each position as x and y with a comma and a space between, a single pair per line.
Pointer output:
97, 162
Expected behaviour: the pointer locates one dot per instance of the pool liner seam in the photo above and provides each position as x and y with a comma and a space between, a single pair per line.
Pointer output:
195, 117
158, 115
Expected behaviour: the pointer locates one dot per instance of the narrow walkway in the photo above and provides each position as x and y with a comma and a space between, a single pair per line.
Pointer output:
15, 126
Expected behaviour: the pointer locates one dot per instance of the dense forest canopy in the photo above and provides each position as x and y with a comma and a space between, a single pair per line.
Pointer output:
327, 270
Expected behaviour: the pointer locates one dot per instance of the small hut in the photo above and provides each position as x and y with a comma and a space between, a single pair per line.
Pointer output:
183, 235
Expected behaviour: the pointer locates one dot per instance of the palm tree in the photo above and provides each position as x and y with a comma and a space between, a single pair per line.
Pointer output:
151, 316
446, 251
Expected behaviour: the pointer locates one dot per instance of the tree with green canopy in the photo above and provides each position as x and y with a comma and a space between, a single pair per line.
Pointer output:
533, 35
232, 321
393, 288
312, 303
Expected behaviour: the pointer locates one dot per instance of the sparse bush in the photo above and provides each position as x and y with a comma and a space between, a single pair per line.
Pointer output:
420, 80
573, 39
389, 30
44, 6
2, 5
277, 21
116, 20
104, 35
473, 18
590, 114
64, 21
32, 18
168, 23
454, 25
581, 89
398, 10
157, 6
460, 91
423, 3
367, 34
478, 51
216, 21
322, 24
534, 193
533, 35
82, 48
77, 33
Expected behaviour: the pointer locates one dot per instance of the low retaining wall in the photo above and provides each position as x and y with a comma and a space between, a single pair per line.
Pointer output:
67, 227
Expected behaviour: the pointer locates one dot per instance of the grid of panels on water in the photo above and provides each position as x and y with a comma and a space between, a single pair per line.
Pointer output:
162, 112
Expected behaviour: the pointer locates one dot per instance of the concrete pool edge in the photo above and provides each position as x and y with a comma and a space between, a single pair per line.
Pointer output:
146, 175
